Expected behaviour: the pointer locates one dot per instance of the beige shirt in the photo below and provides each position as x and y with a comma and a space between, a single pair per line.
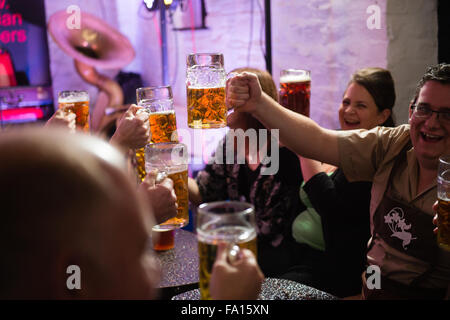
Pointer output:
369, 155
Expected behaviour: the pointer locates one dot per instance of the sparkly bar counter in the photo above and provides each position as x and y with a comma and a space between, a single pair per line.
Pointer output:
179, 266
275, 289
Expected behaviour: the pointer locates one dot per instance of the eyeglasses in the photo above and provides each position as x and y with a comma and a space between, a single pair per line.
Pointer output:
421, 111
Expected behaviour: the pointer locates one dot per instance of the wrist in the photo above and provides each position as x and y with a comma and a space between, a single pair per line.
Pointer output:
117, 141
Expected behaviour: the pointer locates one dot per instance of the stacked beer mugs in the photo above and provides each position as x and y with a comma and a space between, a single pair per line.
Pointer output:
295, 90
158, 103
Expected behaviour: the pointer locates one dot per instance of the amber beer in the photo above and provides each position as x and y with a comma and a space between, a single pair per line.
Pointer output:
205, 89
171, 160
76, 102
207, 249
206, 107
158, 102
180, 185
231, 222
295, 90
163, 240
163, 126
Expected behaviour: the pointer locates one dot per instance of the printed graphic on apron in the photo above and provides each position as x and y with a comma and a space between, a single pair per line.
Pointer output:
394, 219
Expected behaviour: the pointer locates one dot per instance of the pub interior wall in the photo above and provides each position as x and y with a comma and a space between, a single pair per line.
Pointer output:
330, 38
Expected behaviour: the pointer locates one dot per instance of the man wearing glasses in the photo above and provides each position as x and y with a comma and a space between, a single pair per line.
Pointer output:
402, 164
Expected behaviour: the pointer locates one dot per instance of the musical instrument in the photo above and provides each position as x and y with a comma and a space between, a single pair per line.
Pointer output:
93, 45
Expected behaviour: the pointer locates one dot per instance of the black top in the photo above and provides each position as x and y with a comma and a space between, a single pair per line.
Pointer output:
344, 210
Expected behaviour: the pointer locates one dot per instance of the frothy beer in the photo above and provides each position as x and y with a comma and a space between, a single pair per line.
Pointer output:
180, 185
207, 249
205, 89
158, 103
295, 90
163, 128
76, 102
206, 107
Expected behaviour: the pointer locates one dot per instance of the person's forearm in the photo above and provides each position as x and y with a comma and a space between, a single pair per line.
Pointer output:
118, 143
299, 133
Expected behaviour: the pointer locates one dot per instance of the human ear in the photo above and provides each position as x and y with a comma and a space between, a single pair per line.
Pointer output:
383, 116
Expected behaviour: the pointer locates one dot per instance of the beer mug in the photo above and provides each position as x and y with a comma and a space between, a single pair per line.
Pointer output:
76, 102
163, 240
205, 86
158, 103
171, 160
443, 210
232, 222
295, 90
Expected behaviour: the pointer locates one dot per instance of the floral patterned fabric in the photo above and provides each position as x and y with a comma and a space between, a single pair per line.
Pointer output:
275, 197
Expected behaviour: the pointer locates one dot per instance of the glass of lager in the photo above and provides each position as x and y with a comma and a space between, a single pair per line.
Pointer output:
443, 211
171, 160
205, 86
158, 103
76, 102
232, 222
295, 90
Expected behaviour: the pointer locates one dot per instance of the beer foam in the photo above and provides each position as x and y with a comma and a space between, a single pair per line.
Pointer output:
74, 97
163, 112
206, 88
172, 169
295, 78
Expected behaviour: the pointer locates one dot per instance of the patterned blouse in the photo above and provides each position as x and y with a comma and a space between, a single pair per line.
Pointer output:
275, 197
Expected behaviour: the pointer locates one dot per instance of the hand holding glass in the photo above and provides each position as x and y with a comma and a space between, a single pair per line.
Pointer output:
76, 102
158, 103
232, 222
171, 160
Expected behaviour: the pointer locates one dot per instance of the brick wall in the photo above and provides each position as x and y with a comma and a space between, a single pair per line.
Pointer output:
331, 38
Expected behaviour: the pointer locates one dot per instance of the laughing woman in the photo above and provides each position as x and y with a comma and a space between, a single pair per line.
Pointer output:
333, 230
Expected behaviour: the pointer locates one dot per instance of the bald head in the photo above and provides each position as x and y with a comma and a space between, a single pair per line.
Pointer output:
61, 196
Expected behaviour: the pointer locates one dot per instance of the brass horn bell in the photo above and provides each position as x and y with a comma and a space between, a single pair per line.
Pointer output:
93, 45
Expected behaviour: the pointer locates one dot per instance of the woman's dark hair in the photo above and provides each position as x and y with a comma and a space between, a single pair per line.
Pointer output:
379, 83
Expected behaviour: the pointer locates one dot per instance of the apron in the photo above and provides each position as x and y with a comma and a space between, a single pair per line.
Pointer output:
409, 230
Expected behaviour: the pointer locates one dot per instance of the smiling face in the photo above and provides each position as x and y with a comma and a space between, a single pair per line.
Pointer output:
430, 137
358, 109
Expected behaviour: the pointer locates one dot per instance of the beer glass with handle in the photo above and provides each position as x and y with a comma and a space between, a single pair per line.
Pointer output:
205, 86
77, 102
295, 90
170, 159
232, 222
158, 103
443, 210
